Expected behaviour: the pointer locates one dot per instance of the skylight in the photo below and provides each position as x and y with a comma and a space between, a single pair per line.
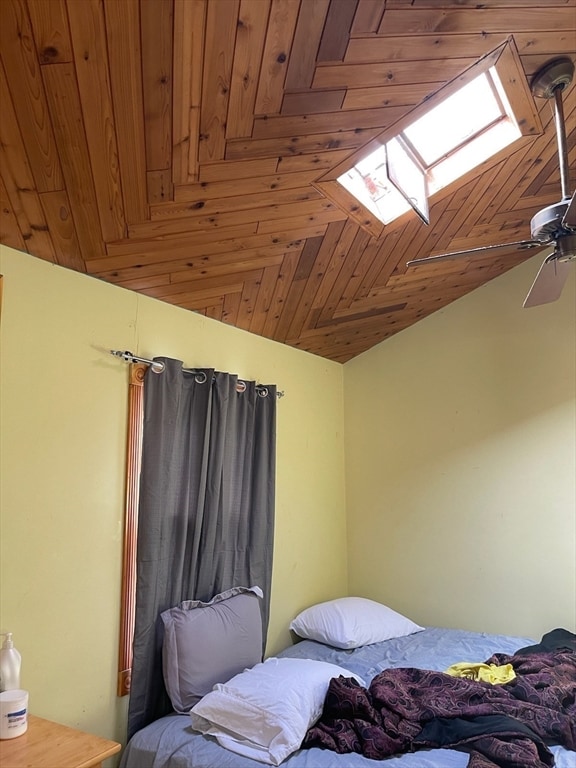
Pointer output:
458, 118
476, 119
368, 181
462, 131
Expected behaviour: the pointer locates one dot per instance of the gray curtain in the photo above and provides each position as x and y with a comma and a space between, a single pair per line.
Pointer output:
206, 509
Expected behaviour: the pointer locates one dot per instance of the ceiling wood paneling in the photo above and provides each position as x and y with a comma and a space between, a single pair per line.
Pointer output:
172, 147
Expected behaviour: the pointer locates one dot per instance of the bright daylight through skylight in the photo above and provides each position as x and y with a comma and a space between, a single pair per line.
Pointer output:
458, 134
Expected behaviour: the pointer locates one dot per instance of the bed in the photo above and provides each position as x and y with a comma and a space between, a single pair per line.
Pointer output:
171, 742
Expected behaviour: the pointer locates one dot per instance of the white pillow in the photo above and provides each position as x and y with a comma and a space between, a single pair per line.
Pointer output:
350, 622
264, 712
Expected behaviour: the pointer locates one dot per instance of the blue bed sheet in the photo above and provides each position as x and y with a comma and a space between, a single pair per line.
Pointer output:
171, 742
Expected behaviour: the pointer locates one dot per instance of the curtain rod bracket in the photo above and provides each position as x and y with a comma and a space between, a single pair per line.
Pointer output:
130, 358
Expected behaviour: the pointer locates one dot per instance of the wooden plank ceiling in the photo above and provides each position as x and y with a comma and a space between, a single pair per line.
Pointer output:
169, 147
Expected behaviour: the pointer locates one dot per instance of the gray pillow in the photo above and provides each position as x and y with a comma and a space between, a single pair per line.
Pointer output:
209, 643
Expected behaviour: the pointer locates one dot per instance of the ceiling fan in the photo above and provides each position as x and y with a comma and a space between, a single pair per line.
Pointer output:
555, 225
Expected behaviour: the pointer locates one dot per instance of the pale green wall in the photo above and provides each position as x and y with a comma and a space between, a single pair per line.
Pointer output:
460, 488
461, 468
63, 413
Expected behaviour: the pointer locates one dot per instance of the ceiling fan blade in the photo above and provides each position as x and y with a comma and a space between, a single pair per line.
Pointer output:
520, 245
549, 282
569, 219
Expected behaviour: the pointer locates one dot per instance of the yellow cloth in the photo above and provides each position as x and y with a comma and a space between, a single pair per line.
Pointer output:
487, 673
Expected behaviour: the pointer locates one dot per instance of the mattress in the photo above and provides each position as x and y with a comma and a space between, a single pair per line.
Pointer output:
171, 743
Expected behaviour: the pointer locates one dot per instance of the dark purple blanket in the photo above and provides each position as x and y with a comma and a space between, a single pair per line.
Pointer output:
388, 718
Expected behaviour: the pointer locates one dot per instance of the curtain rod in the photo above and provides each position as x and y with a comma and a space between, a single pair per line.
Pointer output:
158, 367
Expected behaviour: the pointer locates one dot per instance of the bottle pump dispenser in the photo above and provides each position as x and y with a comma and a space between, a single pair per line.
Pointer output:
10, 662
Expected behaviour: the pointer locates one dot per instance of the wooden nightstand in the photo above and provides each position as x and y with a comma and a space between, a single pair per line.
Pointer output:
50, 745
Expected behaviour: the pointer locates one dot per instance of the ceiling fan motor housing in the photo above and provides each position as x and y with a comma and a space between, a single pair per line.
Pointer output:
546, 225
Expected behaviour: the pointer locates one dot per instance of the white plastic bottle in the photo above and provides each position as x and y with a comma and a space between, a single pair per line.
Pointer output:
10, 663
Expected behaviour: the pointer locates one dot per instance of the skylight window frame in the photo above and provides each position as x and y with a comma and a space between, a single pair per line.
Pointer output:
503, 116
421, 207
512, 80
469, 140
